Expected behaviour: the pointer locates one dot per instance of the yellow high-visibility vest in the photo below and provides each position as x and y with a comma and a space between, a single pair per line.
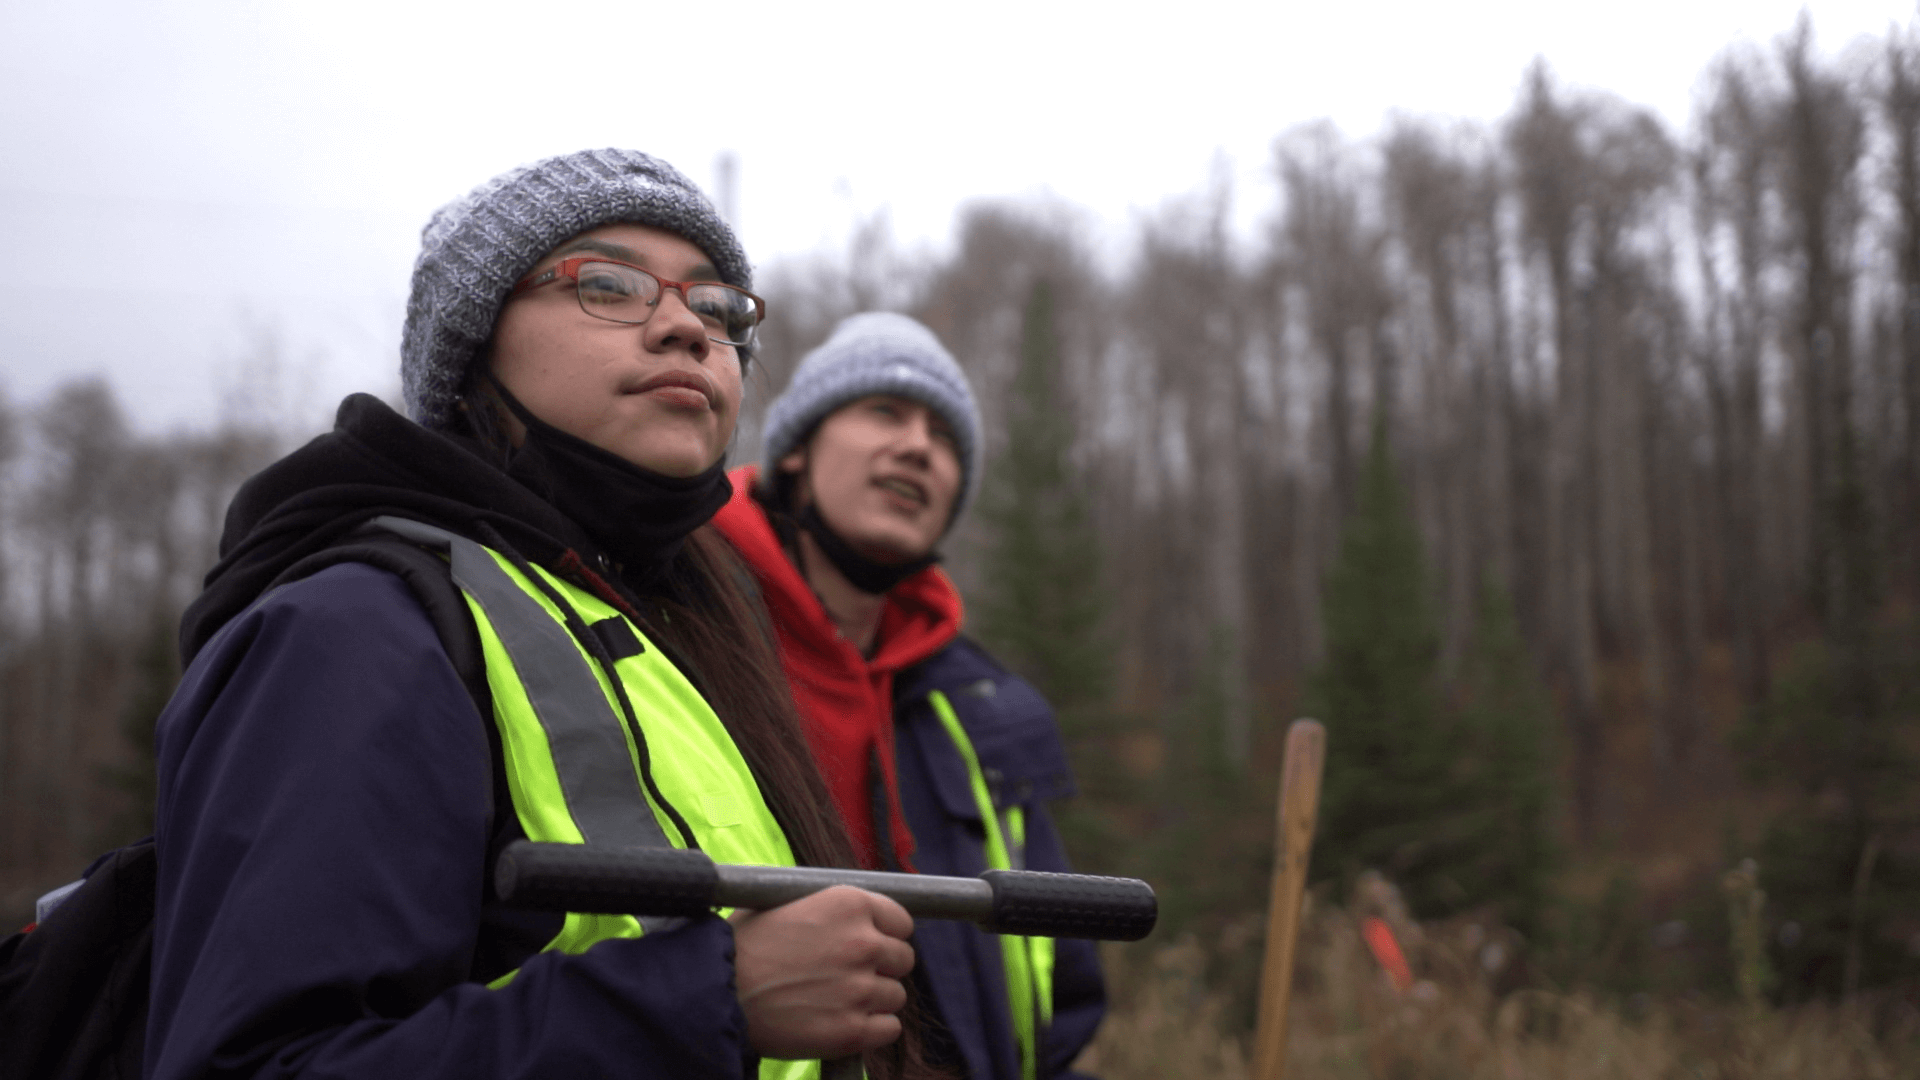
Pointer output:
575, 769
1027, 961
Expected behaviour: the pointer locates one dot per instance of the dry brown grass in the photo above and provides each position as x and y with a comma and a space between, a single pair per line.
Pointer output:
1348, 1023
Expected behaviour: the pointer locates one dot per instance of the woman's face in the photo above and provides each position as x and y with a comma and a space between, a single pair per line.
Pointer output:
883, 471
659, 394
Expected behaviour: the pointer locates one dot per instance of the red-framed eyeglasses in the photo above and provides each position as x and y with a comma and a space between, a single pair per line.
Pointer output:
625, 293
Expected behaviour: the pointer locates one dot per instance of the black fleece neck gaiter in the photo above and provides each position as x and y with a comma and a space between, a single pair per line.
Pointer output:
639, 517
867, 575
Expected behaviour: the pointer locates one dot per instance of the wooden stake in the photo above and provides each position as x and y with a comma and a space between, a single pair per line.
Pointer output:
1293, 844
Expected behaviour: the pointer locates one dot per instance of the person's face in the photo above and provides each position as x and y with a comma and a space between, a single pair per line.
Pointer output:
659, 394
883, 471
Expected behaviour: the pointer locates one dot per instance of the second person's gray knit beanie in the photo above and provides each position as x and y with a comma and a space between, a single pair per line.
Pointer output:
878, 352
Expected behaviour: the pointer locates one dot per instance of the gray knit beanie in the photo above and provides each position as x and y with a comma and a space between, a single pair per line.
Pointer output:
475, 248
877, 353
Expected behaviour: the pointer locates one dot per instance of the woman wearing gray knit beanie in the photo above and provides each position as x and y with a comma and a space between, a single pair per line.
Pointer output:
938, 757
505, 618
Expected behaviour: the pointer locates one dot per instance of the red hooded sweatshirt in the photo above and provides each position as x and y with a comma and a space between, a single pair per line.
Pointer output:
845, 699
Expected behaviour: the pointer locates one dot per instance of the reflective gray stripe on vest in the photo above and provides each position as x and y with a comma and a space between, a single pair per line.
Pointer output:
588, 740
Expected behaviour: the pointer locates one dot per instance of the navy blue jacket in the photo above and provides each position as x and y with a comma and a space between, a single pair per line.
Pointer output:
1014, 735
326, 810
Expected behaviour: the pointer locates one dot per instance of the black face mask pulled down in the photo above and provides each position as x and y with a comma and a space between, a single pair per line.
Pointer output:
639, 517
867, 575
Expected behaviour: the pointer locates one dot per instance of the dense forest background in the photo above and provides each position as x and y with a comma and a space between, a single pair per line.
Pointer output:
1568, 468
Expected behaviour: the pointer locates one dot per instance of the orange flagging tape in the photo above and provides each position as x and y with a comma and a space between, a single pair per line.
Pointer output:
1380, 941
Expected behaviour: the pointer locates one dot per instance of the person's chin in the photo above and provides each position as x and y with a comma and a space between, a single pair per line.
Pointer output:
889, 546
677, 461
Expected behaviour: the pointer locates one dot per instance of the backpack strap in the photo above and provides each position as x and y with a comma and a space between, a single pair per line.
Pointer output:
430, 578
427, 574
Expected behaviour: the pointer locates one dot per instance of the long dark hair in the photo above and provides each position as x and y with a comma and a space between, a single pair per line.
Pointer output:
716, 624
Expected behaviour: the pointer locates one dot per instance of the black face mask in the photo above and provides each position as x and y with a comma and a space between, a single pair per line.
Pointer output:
866, 574
639, 517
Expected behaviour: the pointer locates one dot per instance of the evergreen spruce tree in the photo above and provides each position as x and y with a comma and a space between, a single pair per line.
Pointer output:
1837, 861
1835, 738
1199, 806
1042, 611
1505, 767
1389, 790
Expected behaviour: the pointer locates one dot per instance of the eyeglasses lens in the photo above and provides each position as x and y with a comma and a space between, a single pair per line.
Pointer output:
615, 292
729, 313
625, 294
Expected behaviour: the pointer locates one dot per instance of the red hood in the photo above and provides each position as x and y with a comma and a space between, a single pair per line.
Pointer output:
845, 699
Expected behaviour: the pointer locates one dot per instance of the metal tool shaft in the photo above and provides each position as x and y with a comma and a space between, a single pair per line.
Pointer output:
923, 895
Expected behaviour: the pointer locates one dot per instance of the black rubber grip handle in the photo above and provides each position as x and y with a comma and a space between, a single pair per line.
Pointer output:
673, 882
1035, 904
577, 877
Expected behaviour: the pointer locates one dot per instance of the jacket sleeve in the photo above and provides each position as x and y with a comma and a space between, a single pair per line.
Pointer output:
322, 831
1079, 990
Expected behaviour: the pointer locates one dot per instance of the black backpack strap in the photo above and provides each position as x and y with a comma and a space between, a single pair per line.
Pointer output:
426, 573
430, 577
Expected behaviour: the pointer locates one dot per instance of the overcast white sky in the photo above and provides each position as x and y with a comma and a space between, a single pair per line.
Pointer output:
239, 171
